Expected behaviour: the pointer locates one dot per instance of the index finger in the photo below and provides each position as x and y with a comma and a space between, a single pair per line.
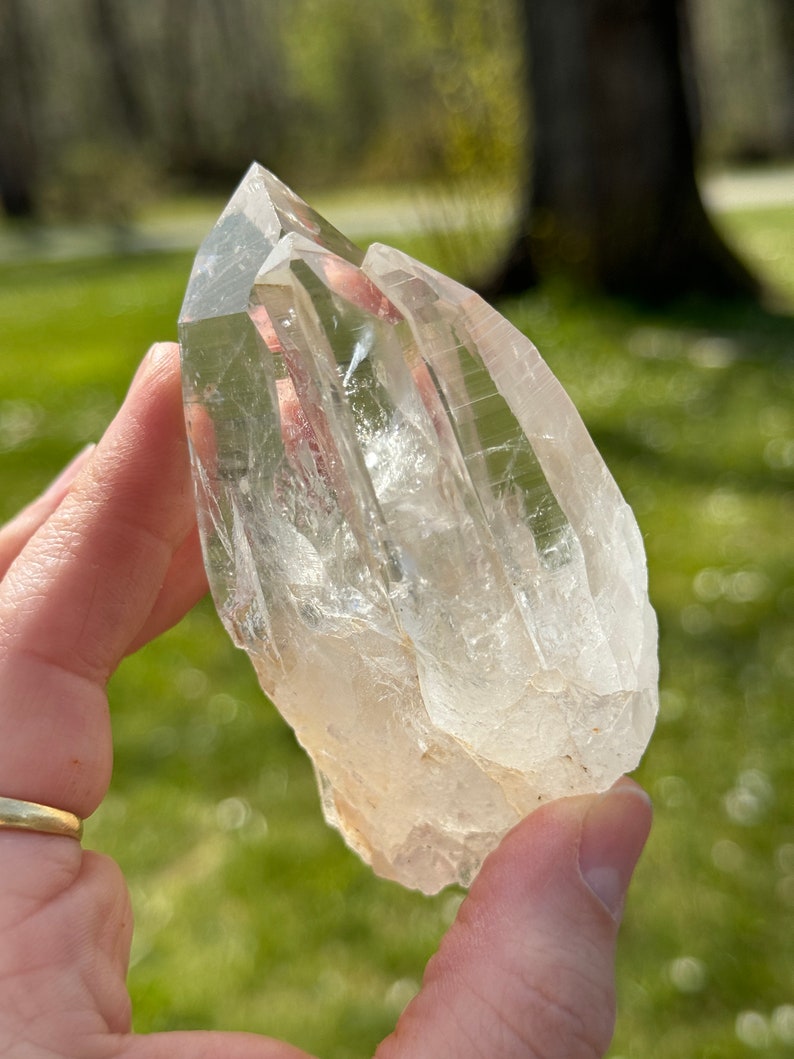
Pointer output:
86, 587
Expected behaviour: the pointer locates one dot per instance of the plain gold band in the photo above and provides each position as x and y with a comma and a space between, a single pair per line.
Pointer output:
30, 816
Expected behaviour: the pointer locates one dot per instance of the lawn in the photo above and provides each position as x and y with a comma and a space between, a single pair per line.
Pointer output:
251, 914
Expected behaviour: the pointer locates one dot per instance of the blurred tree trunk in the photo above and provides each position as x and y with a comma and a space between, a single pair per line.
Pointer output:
783, 23
123, 69
225, 101
180, 18
611, 195
18, 150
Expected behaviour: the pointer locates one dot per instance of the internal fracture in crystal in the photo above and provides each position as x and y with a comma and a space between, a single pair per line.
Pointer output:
408, 528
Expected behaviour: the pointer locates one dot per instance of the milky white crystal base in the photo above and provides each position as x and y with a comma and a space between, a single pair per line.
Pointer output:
409, 530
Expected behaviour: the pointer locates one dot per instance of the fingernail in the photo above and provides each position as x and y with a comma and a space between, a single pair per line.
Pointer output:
154, 355
159, 351
61, 483
614, 831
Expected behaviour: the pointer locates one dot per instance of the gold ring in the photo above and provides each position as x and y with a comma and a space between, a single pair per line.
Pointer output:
30, 816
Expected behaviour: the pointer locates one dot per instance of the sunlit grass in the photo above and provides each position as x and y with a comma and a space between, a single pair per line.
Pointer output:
251, 913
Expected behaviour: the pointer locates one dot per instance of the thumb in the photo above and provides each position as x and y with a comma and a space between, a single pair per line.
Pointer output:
527, 969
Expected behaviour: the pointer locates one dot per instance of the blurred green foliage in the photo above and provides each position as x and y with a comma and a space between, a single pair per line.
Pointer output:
369, 80
250, 911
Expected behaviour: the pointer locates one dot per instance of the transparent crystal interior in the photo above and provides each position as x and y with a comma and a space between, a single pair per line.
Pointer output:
409, 530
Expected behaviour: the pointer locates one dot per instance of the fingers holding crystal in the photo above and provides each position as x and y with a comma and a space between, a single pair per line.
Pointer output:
17, 532
527, 969
113, 562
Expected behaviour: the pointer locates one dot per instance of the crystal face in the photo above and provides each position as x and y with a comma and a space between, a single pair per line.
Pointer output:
408, 528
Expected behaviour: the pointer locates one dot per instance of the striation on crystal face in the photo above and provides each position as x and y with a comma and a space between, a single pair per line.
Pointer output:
408, 528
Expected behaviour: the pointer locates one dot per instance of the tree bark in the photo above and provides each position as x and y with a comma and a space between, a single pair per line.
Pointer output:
611, 196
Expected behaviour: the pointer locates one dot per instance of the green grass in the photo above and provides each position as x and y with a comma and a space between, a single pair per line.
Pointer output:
250, 911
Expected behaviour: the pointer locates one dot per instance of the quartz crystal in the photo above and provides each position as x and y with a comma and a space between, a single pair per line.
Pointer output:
408, 528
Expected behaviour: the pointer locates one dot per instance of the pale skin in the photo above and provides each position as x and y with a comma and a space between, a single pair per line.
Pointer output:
106, 560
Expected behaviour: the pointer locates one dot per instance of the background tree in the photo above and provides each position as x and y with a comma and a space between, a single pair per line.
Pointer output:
115, 48
611, 195
783, 11
18, 106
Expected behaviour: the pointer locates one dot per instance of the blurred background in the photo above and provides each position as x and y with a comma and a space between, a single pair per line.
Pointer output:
620, 177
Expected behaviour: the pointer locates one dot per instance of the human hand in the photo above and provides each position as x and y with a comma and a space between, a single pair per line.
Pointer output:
107, 559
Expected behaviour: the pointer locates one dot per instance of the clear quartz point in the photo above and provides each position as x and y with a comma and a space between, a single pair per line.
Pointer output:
408, 528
